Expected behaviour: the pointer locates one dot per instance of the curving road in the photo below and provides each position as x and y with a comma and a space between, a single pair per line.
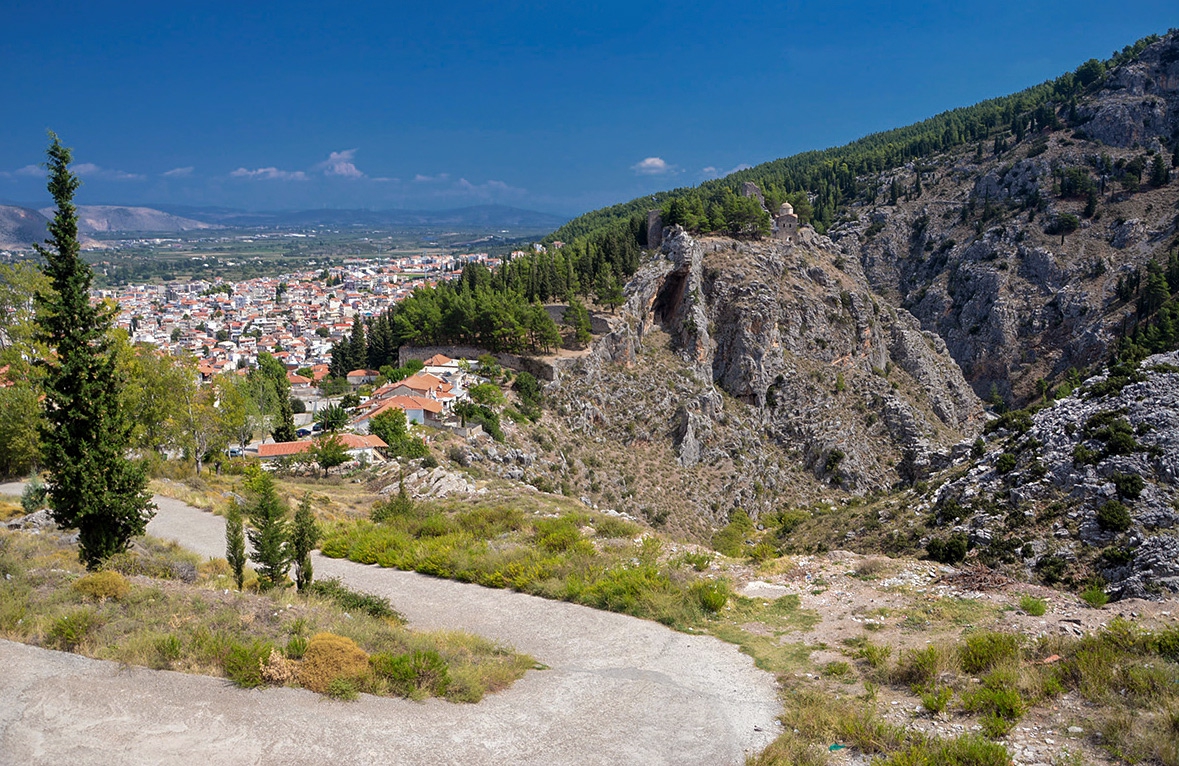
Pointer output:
617, 690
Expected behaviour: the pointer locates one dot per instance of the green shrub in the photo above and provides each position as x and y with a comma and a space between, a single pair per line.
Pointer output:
103, 585
1005, 463
73, 629
1017, 421
34, 495
984, 650
1095, 596
730, 540
375, 606
949, 551
1083, 455
1114, 516
243, 664
698, 561
936, 699
557, 535
1166, 644
999, 702
1129, 485
296, 647
788, 521
1052, 569
614, 527
168, 650
836, 669
342, 689
1036, 607
876, 655
413, 675
712, 595
921, 667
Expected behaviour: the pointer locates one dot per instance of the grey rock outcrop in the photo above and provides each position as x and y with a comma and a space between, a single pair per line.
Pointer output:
792, 330
1067, 467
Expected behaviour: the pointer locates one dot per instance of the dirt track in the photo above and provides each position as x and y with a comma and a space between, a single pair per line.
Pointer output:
617, 691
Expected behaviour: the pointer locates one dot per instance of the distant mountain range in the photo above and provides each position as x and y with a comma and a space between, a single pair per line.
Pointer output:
476, 217
21, 226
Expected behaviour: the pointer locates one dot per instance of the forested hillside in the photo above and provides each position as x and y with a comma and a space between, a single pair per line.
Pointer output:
831, 178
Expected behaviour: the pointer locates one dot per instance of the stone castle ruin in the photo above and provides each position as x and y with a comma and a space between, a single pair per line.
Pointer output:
785, 227
654, 229
785, 222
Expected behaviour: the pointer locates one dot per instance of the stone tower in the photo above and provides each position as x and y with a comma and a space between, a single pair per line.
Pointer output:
654, 229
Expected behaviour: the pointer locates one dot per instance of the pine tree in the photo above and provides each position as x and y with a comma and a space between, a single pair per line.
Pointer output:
93, 487
278, 388
270, 537
357, 347
1159, 175
235, 544
304, 536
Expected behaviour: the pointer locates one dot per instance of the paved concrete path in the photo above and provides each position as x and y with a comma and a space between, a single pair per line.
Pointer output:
618, 691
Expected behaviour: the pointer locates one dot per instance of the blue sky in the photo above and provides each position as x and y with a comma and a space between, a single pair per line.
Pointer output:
557, 106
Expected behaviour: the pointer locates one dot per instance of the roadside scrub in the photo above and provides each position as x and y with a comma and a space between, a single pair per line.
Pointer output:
595, 561
1127, 676
159, 606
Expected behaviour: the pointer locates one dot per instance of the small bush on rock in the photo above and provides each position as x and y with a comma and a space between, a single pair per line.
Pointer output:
949, 551
1114, 517
1129, 485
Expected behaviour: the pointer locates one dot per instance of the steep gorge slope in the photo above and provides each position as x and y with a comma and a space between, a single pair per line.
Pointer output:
977, 254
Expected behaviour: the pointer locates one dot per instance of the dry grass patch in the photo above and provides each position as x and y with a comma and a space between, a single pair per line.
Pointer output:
194, 623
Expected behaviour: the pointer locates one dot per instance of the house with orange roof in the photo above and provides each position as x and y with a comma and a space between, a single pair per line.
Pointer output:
358, 446
417, 409
361, 377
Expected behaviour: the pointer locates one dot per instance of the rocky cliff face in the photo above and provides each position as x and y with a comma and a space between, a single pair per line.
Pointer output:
1086, 486
975, 255
852, 388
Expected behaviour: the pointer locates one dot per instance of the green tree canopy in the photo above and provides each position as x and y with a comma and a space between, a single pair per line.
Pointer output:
93, 487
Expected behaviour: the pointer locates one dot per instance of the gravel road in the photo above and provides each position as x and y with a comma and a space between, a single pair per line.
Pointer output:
617, 690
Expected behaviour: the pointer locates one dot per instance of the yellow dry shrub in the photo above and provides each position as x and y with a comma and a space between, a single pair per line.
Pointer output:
329, 657
103, 585
276, 669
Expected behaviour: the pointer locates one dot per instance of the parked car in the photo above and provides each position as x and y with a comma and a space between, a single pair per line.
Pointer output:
236, 452
317, 427
303, 432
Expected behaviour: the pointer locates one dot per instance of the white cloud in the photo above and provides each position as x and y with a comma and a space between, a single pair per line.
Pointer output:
421, 179
340, 164
653, 166
713, 172
269, 174
35, 171
490, 188
178, 172
90, 170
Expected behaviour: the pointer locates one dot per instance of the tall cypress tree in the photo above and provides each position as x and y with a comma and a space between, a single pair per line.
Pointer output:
270, 538
357, 346
93, 487
304, 536
274, 376
235, 544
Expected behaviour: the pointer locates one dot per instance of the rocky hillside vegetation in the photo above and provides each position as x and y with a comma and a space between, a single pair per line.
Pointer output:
855, 389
